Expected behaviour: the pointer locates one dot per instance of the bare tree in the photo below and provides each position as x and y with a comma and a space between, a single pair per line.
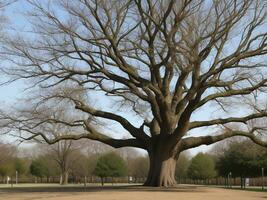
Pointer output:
44, 118
7, 152
164, 60
64, 153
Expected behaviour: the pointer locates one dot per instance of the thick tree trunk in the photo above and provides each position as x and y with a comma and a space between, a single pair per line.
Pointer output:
161, 170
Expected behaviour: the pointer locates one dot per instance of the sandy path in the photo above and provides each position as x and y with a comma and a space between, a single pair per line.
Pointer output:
133, 193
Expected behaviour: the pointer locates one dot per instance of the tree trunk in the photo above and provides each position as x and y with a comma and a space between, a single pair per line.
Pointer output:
102, 181
64, 178
161, 170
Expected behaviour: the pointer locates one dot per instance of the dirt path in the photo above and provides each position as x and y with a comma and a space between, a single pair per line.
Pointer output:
129, 193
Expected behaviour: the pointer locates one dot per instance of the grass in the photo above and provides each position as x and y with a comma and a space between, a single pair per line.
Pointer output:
249, 188
252, 189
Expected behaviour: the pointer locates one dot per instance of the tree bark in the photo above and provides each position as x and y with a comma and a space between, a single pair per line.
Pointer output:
161, 170
65, 177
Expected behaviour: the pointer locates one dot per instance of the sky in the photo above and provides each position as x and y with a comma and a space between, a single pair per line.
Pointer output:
9, 93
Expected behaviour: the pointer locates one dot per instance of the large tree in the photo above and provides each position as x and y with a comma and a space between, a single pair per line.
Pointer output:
166, 60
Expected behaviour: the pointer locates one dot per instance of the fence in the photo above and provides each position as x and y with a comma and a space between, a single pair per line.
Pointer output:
224, 181
71, 179
220, 181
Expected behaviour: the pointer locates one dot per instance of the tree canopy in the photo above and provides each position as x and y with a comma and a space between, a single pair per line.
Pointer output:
110, 165
44, 166
202, 166
242, 159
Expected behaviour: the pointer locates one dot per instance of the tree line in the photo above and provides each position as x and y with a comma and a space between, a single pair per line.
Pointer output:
50, 164
236, 158
232, 159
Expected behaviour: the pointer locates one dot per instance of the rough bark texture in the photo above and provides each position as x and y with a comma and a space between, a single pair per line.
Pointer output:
162, 164
161, 172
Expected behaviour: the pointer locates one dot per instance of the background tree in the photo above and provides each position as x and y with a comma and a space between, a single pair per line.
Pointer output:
44, 166
202, 167
81, 167
242, 159
8, 152
138, 168
63, 152
182, 166
163, 61
110, 165
7, 156
38, 168
20, 166
6, 169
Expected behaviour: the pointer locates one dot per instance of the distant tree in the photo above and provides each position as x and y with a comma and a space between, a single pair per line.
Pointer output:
6, 169
20, 166
64, 152
7, 155
182, 166
92, 162
8, 152
44, 166
242, 159
37, 168
110, 165
138, 167
80, 168
202, 167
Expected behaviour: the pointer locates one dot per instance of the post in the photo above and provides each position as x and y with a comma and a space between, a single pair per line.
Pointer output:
16, 177
262, 178
85, 181
228, 183
230, 180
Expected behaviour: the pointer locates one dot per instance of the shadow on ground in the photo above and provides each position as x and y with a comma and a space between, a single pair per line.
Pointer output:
46, 189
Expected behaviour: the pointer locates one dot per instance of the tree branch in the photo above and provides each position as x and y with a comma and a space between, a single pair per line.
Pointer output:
192, 142
245, 119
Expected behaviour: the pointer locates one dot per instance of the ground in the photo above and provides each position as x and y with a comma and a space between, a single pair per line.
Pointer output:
182, 192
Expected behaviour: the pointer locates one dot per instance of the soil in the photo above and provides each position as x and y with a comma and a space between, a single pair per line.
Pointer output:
181, 192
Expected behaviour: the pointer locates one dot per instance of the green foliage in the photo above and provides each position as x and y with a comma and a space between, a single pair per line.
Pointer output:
37, 168
242, 159
6, 169
20, 166
43, 167
202, 167
182, 166
110, 165
9, 167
